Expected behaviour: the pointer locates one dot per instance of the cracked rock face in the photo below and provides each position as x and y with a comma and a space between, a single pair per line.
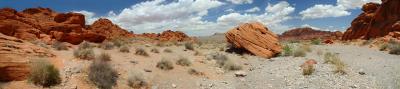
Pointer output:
255, 38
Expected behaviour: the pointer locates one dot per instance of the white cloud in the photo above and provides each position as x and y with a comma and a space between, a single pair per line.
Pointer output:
230, 10
241, 1
255, 9
187, 16
341, 8
89, 16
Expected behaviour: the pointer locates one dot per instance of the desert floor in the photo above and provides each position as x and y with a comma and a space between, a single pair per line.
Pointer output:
365, 68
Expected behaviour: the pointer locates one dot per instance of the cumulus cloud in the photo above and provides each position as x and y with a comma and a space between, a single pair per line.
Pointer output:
241, 1
255, 9
341, 8
188, 16
230, 10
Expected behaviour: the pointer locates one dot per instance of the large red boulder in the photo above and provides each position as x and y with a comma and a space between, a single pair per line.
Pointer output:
106, 28
308, 33
15, 56
375, 21
255, 38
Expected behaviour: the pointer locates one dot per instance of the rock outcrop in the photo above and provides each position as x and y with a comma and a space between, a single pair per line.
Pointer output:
167, 35
309, 34
15, 55
377, 20
255, 38
36, 23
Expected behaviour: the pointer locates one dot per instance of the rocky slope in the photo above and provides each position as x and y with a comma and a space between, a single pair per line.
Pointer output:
50, 26
256, 38
307, 33
167, 35
15, 55
377, 20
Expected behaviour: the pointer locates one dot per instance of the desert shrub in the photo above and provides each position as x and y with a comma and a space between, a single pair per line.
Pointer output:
104, 57
84, 45
60, 46
367, 42
154, 50
308, 69
383, 47
168, 50
395, 49
118, 42
86, 54
189, 46
231, 65
299, 52
335, 60
165, 64
197, 53
287, 50
183, 61
124, 49
192, 71
102, 74
44, 73
220, 59
141, 51
306, 47
107, 45
39, 43
137, 81
316, 41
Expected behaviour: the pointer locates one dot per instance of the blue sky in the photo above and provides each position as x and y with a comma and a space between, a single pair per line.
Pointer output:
205, 17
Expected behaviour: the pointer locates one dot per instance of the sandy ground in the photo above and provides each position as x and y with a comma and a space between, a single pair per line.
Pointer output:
381, 70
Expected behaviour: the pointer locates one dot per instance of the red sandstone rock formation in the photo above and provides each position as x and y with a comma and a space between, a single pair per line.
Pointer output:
45, 24
15, 55
255, 38
309, 34
375, 21
167, 35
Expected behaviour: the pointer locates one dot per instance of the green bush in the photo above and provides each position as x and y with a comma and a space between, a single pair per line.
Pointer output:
316, 41
44, 73
287, 50
102, 74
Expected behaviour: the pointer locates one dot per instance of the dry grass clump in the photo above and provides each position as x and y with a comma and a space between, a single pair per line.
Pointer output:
104, 57
102, 74
299, 52
84, 45
165, 64
197, 53
367, 42
60, 46
167, 50
39, 43
154, 50
306, 47
224, 62
124, 49
308, 69
383, 47
107, 45
86, 54
44, 73
335, 60
184, 61
137, 81
394, 47
192, 71
141, 51
189, 46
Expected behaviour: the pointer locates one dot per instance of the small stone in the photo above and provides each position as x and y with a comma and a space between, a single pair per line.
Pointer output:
147, 70
361, 73
173, 85
240, 74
